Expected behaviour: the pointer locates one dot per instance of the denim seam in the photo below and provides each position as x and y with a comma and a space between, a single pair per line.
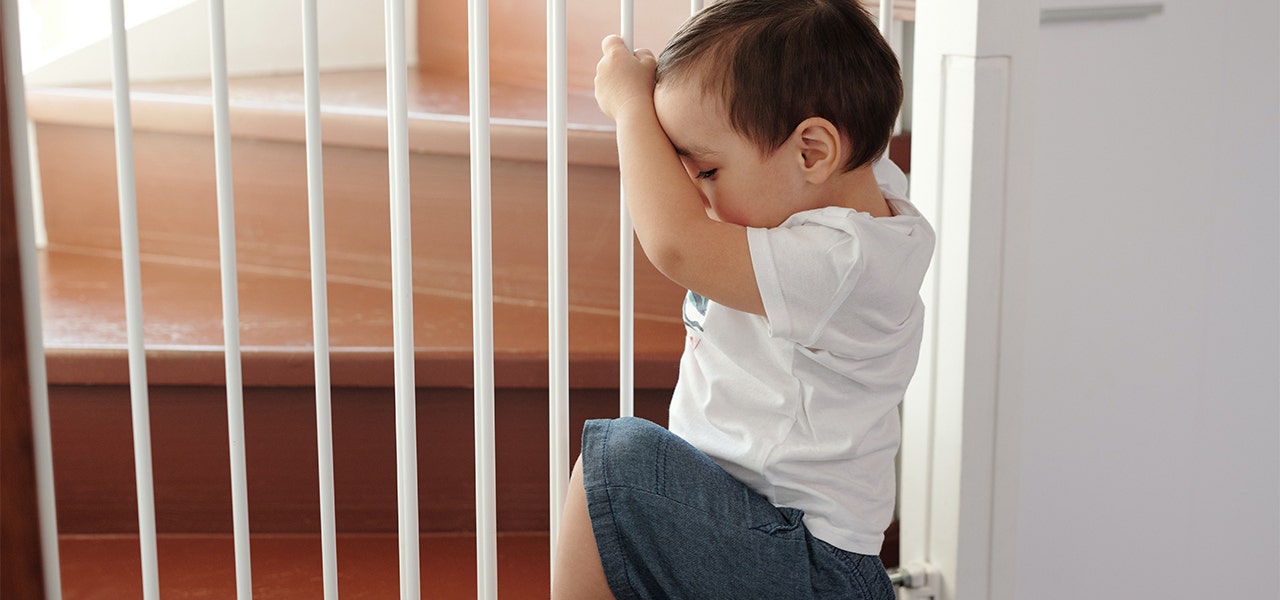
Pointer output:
613, 514
854, 566
861, 582
660, 468
709, 514
839, 554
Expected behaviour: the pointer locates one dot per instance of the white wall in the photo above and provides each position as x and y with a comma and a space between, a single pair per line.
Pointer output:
1141, 325
263, 37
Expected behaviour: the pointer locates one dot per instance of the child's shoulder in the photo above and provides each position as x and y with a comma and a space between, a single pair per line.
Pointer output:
837, 235
906, 218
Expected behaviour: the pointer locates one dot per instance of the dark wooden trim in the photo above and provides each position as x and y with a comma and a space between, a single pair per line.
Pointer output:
21, 570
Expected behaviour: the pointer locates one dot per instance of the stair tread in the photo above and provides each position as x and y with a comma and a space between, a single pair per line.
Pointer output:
353, 108
427, 93
86, 336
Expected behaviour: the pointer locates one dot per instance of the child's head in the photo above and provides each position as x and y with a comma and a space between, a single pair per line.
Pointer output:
775, 63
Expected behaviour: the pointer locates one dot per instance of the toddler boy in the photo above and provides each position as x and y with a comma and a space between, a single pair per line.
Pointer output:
750, 152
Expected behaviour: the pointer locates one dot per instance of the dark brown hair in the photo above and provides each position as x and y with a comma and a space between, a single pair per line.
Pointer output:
779, 62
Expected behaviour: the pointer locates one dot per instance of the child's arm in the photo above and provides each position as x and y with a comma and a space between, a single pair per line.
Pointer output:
707, 256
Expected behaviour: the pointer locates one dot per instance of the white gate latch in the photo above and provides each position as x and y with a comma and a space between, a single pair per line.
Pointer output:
917, 581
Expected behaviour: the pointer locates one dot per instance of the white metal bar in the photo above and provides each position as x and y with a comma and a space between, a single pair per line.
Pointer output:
1101, 13
36, 373
402, 299
885, 19
37, 189
230, 295
130, 260
319, 296
558, 248
626, 264
695, 6
482, 300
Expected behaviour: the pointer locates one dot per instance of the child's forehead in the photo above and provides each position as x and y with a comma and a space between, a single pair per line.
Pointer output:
700, 75
685, 106
693, 125
690, 91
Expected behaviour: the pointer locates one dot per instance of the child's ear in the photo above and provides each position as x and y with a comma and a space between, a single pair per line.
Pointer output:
818, 143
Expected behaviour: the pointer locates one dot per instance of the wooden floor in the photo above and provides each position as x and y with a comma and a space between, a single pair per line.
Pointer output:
289, 566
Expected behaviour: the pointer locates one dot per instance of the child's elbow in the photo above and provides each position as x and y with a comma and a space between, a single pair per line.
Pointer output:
669, 257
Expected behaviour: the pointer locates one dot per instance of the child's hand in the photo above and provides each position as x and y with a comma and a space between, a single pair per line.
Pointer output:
623, 76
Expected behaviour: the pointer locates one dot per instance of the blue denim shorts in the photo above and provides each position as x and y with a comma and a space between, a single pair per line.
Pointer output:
671, 523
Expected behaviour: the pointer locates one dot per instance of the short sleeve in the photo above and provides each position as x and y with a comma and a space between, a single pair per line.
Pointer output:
804, 273
835, 279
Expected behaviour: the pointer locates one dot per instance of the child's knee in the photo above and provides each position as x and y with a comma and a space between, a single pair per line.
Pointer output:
621, 452
628, 436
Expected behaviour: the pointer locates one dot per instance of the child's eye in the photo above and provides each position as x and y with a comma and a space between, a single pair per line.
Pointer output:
706, 174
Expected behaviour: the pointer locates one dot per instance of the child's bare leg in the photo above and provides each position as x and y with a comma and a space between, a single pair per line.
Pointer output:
578, 574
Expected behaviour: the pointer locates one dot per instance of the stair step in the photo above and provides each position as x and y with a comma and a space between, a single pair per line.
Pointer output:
92, 436
178, 225
353, 112
86, 338
177, 221
286, 567
84, 315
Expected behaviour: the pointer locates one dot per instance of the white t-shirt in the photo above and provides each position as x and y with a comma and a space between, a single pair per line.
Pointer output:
801, 405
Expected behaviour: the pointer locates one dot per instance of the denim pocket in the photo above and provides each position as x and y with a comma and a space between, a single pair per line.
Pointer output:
787, 520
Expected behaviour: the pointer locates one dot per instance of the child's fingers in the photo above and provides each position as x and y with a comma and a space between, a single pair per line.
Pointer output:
612, 43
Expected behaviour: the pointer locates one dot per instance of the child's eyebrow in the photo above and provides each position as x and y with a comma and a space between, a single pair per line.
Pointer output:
694, 152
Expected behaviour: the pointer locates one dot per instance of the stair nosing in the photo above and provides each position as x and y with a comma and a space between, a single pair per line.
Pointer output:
107, 364
359, 127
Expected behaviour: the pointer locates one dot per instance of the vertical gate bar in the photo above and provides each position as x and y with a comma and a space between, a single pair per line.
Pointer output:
37, 190
319, 296
482, 300
695, 6
885, 21
402, 299
626, 264
558, 248
230, 296
129, 259
42, 444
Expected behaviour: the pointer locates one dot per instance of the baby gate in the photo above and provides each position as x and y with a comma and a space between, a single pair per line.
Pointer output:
402, 293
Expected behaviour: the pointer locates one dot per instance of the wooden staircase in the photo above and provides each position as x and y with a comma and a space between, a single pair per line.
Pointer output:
85, 336
83, 310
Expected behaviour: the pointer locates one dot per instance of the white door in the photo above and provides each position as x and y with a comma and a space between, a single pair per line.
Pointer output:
1097, 412
975, 62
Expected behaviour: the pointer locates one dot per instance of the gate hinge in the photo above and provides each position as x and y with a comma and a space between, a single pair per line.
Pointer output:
917, 581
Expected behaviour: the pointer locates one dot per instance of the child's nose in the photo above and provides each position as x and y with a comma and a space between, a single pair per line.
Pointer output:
706, 200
